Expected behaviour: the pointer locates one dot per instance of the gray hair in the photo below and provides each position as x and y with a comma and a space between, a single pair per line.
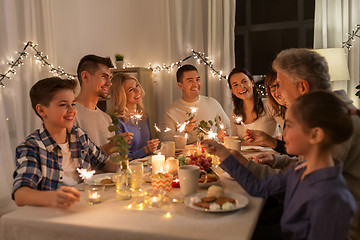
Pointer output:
302, 63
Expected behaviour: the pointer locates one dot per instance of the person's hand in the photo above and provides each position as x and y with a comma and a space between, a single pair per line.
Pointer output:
152, 145
222, 134
265, 158
215, 148
259, 138
64, 197
128, 136
190, 126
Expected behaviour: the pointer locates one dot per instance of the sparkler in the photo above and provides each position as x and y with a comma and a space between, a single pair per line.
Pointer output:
159, 130
137, 116
239, 120
84, 173
181, 127
193, 110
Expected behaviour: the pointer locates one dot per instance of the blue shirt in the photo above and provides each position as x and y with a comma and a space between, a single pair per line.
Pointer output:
320, 206
142, 134
39, 159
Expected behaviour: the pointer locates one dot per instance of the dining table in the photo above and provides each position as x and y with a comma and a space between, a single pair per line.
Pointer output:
121, 219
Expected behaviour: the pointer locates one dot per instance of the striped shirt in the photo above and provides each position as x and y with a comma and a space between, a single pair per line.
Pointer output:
39, 159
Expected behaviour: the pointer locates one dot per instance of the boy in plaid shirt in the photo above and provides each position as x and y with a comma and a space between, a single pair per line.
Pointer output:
47, 160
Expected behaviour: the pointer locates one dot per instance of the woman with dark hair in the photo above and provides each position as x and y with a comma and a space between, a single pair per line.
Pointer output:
250, 111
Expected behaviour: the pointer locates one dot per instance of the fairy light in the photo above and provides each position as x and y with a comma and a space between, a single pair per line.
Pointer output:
351, 37
40, 58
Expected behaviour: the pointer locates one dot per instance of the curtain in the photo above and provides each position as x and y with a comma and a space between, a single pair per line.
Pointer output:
21, 21
206, 26
333, 21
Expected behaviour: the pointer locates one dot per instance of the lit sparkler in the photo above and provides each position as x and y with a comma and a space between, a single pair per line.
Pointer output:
167, 129
157, 128
193, 110
137, 116
181, 127
211, 134
239, 120
84, 173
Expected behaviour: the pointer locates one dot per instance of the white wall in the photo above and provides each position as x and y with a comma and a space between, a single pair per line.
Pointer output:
131, 28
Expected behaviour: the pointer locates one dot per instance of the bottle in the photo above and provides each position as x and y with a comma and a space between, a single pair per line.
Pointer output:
123, 181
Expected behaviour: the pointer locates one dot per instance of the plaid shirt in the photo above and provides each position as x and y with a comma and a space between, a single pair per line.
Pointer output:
39, 159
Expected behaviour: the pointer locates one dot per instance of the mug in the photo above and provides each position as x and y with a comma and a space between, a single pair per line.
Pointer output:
168, 148
189, 179
232, 142
180, 141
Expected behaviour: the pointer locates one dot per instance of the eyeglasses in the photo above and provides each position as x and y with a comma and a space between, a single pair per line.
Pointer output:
274, 87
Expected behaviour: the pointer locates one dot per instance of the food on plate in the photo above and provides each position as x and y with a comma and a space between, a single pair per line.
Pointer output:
223, 200
202, 204
228, 206
211, 178
200, 159
208, 199
106, 181
215, 191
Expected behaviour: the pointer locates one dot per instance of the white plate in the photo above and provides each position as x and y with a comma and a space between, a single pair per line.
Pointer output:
95, 179
240, 202
254, 148
225, 174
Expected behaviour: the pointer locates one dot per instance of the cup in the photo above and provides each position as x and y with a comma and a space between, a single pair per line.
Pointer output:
232, 142
136, 169
94, 193
172, 166
189, 179
168, 148
180, 141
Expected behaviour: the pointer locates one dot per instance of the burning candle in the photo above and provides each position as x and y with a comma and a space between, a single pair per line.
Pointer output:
157, 162
172, 165
175, 183
94, 193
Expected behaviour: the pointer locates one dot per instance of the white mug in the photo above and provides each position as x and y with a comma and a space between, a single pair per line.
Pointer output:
180, 141
189, 179
136, 169
168, 148
232, 142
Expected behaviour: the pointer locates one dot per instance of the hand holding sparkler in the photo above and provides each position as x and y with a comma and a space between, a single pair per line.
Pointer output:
151, 145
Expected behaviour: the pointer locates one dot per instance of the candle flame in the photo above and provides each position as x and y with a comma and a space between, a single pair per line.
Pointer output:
186, 135
84, 173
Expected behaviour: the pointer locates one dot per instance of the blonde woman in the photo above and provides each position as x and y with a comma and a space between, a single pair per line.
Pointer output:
126, 103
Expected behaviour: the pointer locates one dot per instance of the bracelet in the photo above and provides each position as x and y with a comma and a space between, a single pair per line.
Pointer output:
147, 148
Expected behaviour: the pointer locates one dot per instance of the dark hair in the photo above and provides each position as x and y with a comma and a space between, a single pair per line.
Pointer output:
238, 103
269, 79
90, 63
182, 69
322, 108
302, 63
44, 90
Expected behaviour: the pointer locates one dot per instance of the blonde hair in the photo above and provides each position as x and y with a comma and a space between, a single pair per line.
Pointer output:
118, 97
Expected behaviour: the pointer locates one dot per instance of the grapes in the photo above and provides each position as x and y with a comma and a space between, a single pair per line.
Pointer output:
201, 160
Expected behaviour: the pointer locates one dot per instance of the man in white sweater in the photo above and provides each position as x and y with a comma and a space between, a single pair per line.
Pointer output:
208, 108
95, 80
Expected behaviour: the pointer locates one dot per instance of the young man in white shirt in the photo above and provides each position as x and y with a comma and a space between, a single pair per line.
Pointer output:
208, 108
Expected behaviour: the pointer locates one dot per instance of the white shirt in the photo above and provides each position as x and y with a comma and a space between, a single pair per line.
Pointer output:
208, 109
266, 123
70, 177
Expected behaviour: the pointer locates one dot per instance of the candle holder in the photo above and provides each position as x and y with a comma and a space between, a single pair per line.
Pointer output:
94, 193
162, 181
175, 183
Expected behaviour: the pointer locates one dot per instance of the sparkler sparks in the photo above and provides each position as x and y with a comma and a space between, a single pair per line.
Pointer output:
238, 120
85, 174
159, 130
193, 110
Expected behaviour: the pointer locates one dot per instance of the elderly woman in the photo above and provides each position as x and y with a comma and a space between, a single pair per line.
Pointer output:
126, 103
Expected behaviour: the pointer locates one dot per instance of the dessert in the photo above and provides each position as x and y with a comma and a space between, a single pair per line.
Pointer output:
215, 191
106, 181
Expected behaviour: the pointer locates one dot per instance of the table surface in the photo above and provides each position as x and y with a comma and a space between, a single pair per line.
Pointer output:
112, 219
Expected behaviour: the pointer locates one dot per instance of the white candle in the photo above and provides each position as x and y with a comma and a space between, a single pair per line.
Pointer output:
157, 162
172, 165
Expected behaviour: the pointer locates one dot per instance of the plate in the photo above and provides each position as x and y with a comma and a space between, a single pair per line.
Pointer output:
210, 183
240, 202
95, 179
145, 160
254, 148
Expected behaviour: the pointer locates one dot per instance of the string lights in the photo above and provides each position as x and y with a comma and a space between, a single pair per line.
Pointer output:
43, 60
40, 58
200, 57
351, 37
